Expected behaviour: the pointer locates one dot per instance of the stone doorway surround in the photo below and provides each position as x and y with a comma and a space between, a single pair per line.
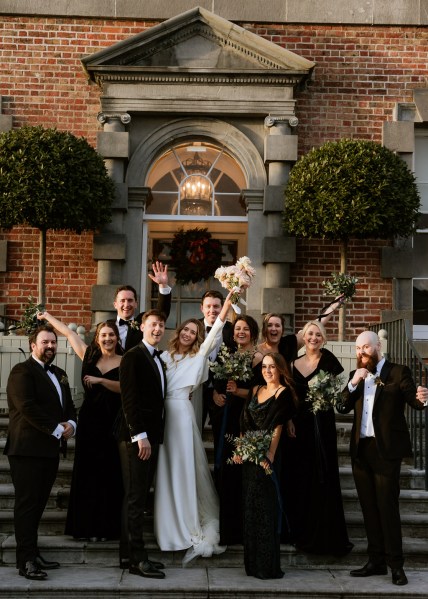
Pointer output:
198, 74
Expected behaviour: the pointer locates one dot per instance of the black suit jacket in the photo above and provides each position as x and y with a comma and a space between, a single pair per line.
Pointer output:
389, 422
35, 410
227, 332
142, 397
134, 336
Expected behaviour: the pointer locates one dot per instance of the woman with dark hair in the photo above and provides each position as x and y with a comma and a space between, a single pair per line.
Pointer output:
95, 502
267, 409
229, 397
186, 502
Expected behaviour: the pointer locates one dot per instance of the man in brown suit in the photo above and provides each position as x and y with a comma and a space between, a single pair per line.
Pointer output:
41, 419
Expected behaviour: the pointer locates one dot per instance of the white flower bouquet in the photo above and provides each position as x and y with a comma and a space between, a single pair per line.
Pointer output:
236, 277
251, 447
324, 391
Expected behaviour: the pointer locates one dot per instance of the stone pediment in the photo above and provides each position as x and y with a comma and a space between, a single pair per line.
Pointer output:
197, 42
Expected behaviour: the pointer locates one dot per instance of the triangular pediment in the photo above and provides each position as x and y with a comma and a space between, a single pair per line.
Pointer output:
196, 41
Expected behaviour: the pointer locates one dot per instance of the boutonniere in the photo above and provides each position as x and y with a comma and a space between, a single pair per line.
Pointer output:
379, 381
134, 324
63, 380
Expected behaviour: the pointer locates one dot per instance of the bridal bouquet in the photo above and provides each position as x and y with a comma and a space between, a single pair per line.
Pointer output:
251, 447
236, 277
341, 284
234, 366
325, 390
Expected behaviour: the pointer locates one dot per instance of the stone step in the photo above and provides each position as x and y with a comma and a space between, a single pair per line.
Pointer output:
206, 580
412, 501
106, 553
414, 526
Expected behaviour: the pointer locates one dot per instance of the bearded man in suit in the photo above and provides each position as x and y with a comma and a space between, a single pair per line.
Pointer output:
41, 419
125, 304
143, 388
378, 391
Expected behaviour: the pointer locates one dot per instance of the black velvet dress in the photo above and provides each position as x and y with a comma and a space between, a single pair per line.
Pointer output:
311, 484
96, 487
261, 495
228, 477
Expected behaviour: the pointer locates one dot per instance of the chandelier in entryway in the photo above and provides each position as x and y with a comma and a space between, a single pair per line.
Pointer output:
196, 190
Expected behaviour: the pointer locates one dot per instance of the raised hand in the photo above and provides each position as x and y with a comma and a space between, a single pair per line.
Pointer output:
160, 274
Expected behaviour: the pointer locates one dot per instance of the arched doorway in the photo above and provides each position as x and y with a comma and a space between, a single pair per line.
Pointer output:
194, 183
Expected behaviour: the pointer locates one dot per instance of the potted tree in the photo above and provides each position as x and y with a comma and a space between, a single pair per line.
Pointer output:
350, 189
50, 179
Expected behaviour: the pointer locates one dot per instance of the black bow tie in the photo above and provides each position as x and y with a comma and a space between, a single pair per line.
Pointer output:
121, 322
48, 367
157, 353
209, 329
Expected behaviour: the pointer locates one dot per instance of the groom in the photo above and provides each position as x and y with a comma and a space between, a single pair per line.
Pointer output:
143, 389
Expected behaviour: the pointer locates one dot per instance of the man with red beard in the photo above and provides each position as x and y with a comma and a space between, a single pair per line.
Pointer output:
378, 392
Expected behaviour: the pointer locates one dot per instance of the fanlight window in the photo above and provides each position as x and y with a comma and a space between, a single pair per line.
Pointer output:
196, 179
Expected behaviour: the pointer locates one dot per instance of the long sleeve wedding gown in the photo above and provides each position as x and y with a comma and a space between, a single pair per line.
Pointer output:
186, 510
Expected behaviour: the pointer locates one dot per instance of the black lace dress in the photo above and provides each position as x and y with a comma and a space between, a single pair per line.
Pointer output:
311, 484
96, 487
261, 498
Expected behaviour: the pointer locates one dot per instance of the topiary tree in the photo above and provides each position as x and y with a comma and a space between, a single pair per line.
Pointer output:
50, 179
351, 189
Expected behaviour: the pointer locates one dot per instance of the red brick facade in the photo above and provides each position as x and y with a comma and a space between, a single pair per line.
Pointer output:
360, 73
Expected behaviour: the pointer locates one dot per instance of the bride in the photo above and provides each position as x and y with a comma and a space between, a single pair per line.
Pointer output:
186, 506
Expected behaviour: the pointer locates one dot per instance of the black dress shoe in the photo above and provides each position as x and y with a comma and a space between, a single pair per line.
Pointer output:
157, 565
32, 572
45, 564
398, 576
146, 569
370, 569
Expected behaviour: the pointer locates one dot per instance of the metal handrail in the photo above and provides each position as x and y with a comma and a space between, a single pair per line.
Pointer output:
402, 350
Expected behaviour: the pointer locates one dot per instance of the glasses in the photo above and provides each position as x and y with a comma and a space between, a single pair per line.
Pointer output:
268, 367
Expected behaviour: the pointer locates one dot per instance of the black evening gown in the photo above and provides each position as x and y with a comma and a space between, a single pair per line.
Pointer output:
311, 484
261, 496
228, 477
96, 487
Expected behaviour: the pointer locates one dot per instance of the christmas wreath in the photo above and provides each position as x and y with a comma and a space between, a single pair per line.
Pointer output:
194, 255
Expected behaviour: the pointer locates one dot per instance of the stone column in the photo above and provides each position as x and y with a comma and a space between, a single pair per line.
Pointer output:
278, 250
253, 199
110, 245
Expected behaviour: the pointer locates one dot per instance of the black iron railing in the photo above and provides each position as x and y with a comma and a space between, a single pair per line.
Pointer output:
402, 351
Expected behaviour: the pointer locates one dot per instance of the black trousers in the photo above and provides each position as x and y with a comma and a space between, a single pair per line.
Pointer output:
378, 485
33, 479
141, 474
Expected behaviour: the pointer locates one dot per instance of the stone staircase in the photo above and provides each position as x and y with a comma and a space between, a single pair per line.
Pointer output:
86, 555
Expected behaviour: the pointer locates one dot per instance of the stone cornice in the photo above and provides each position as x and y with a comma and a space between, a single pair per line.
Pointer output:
346, 12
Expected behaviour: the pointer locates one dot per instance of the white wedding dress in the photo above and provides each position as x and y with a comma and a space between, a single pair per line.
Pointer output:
186, 511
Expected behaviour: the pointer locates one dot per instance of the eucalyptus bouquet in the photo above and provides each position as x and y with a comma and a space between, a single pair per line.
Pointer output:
236, 277
341, 284
234, 366
325, 390
251, 447
29, 320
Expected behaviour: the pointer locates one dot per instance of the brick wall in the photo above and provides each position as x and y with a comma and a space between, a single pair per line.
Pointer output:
360, 74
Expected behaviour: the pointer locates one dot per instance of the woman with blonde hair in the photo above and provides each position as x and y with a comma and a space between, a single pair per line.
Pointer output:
311, 471
186, 503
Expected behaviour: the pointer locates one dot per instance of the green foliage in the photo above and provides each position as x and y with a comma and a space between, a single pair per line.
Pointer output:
351, 189
341, 284
29, 320
51, 179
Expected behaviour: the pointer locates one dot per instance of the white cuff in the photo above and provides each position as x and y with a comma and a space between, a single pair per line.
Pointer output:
136, 438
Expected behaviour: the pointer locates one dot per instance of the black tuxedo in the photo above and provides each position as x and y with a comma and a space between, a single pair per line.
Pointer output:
143, 408
35, 410
209, 406
135, 335
376, 461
